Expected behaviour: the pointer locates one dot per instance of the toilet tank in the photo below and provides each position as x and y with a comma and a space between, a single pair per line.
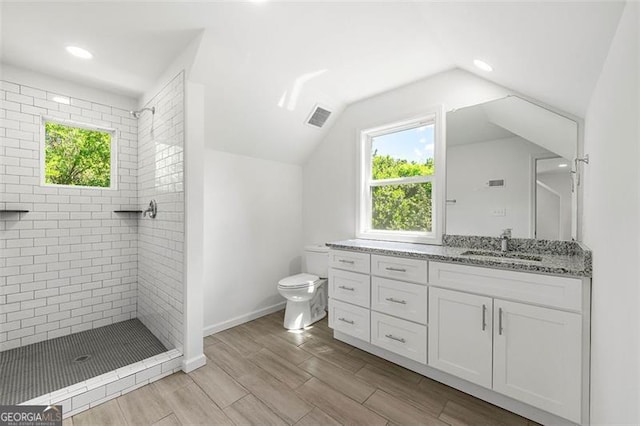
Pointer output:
316, 259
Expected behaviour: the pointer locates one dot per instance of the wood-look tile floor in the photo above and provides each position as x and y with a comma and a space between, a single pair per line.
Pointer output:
261, 374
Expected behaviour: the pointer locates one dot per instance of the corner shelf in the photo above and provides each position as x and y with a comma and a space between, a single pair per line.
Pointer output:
13, 211
127, 211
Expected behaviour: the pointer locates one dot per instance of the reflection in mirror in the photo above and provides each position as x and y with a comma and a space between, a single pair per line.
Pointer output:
509, 165
553, 199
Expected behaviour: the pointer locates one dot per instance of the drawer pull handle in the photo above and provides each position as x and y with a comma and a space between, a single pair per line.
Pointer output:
391, 268
391, 299
350, 262
397, 339
484, 317
346, 320
500, 321
346, 288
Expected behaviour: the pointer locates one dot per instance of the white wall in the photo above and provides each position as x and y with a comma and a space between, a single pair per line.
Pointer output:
330, 173
470, 167
194, 225
611, 216
252, 235
69, 88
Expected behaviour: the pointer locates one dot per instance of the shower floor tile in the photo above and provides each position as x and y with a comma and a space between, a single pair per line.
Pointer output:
43, 367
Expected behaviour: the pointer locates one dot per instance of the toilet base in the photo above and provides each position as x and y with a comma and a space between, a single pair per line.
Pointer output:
299, 315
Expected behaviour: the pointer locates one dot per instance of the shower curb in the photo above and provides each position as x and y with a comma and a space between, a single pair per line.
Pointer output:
85, 395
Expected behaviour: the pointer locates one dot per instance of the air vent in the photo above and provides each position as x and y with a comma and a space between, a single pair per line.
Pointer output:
495, 183
318, 117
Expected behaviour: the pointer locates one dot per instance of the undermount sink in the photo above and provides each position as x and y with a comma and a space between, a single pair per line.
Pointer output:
506, 256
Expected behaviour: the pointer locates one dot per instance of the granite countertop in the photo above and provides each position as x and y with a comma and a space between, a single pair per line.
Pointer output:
566, 258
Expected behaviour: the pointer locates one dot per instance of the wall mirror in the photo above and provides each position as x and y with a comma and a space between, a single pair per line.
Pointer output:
510, 164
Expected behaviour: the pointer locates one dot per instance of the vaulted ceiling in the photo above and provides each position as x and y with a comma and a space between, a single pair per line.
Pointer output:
264, 65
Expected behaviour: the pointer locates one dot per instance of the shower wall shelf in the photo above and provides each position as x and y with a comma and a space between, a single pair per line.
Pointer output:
13, 211
127, 211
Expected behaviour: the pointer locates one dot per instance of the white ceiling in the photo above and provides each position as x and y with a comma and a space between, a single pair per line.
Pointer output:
255, 56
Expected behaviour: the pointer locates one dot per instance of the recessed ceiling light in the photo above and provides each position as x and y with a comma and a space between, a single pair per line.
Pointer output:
61, 100
79, 52
563, 165
482, 65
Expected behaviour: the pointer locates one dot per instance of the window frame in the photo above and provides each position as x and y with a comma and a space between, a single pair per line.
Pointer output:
364, 229
113, 180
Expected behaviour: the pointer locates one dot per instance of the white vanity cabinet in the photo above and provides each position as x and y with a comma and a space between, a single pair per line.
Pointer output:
350, 293
399, 306
530, 353
392, 289
517, 339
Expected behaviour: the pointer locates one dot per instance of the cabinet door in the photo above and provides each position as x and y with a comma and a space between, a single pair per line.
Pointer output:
460, 334
537, 357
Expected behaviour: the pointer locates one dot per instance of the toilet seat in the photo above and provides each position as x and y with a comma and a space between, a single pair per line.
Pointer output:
298, 281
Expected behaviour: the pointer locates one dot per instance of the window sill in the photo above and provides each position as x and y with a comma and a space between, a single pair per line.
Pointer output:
403, 237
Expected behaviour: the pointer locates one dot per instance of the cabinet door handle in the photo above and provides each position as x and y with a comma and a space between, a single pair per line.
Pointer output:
484, 317
500, 321
391, 268
346, 288
346, 320
397, 339
350, 262
391, 299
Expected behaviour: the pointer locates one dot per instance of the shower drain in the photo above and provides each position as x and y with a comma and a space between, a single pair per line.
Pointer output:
82, 358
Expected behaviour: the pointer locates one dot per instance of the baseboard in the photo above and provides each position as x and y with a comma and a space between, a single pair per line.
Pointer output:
215, 328
193, 363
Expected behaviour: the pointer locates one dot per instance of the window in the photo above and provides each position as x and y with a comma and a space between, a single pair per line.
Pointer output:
402, 181
77, 155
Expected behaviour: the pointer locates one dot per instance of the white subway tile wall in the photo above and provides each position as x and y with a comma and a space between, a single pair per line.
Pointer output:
161, 240
70, 264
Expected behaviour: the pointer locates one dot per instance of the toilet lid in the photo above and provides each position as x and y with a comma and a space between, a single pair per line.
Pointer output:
299, 280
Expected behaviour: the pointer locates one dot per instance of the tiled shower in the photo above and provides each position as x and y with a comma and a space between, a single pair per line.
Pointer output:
71, 264
161, 240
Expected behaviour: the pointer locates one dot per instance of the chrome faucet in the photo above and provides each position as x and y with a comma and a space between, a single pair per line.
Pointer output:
506, 236
152, 210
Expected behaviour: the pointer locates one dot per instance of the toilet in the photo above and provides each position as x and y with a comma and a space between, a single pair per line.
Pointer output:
306, 293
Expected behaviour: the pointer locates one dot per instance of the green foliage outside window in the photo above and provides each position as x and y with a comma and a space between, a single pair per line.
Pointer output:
76, 156
402, 207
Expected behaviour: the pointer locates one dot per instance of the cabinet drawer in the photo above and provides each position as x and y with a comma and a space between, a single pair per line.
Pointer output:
559, 292
350, 261
402, 337
400, 299
349, 319
399, 268
349, 287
